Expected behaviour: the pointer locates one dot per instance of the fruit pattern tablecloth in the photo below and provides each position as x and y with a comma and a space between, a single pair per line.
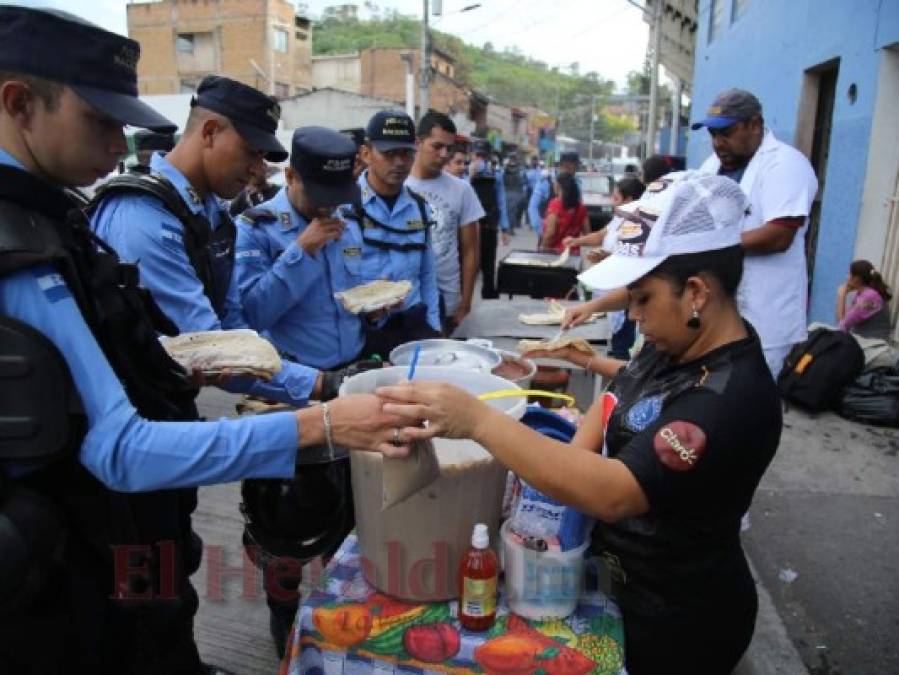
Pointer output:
347, 627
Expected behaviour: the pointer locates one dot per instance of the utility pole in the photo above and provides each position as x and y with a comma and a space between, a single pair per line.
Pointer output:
656, 36
424, 75
592, 118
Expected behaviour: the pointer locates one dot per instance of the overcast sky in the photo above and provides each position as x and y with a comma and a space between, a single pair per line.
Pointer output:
608, 36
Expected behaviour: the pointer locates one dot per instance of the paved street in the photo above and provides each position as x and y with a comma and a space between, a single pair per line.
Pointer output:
827, 511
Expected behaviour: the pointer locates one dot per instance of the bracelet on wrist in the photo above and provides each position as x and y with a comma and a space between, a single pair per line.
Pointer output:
326, 423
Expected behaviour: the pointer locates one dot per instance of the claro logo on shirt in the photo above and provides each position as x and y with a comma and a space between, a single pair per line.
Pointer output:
680, 445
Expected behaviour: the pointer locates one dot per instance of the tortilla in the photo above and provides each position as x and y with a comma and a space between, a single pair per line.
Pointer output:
240, 352
553, 315
374, 295
525, 346
562, 259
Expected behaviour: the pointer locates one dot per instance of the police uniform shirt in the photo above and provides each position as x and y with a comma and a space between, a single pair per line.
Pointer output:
697, 437
415, 266
290, 293
141, 230
123, 450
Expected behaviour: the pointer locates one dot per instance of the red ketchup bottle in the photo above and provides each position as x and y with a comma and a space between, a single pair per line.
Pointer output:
477, 582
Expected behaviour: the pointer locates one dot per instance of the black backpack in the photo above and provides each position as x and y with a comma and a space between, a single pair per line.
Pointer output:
815, 371
873, 398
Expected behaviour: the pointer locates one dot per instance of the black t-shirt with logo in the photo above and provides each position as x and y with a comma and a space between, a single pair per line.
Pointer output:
697, 437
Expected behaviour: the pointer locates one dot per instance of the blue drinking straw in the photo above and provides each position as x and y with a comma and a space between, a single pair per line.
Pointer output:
414, 362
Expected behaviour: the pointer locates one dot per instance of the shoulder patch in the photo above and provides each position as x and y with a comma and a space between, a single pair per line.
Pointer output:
680, 445
284, 217
644, 412
53, 286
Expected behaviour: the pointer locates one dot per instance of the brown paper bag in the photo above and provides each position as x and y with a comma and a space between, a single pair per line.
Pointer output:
403, 477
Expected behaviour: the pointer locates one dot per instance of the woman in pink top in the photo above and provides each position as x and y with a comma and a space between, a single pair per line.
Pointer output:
869, 314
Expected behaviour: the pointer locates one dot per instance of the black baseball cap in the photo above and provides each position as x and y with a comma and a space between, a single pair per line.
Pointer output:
153, 140
99, 66
572, 157
254, 114
356, 134
728, 108
324, 159
390, 130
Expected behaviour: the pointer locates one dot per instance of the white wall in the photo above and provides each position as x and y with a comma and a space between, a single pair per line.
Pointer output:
883, 162
340, 72
332, 109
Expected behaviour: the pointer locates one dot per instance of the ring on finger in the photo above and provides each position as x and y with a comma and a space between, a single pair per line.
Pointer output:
396, 436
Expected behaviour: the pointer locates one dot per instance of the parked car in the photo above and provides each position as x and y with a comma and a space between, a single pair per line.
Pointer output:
596, 190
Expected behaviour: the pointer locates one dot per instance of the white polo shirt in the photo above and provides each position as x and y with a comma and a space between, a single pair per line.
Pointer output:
773, 295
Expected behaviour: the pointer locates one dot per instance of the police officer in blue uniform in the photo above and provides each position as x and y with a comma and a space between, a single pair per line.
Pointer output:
174, 226
395, 223
96, 437
488, 185
543, 191
294, 252
532, 177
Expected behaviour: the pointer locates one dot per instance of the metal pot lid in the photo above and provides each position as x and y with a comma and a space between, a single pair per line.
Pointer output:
452, 353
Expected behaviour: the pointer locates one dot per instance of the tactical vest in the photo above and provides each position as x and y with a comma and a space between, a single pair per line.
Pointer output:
80, 522
418, 239
210, 252
485, 188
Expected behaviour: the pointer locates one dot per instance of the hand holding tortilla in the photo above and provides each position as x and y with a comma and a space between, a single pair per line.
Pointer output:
373, 296
239, 352
553, 316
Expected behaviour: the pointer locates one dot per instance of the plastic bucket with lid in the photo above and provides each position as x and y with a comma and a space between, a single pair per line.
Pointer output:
542, 584
411, 550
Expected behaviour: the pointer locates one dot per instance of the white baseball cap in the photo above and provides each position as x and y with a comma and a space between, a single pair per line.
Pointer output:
682, 212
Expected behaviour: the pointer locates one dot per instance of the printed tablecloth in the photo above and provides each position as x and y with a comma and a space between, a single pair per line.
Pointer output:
348, 627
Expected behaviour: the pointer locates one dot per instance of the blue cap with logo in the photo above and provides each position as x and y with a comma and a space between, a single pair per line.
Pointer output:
324, 160
254, 115
391, 130
728, 108
99, 66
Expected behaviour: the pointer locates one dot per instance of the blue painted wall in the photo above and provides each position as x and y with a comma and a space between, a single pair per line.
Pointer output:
767, 50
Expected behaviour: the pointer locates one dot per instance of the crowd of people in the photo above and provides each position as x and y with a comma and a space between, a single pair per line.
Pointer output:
709, 264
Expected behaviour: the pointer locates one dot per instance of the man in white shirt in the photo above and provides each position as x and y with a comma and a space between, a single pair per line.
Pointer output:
456, 210
781, 186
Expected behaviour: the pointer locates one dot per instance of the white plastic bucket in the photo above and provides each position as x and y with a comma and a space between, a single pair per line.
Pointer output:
542, 584
411, 550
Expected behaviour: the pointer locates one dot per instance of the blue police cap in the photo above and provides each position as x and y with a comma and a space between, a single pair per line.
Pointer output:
99, 66
253, 114
391, 130
324, 160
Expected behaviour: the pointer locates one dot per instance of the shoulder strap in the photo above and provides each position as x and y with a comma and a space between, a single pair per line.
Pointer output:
197, 230
257, 215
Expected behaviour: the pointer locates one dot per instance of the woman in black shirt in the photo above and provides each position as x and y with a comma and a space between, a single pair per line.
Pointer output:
669, 457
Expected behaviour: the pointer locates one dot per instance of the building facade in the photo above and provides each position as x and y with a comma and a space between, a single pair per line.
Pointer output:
827, 75
263, 43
